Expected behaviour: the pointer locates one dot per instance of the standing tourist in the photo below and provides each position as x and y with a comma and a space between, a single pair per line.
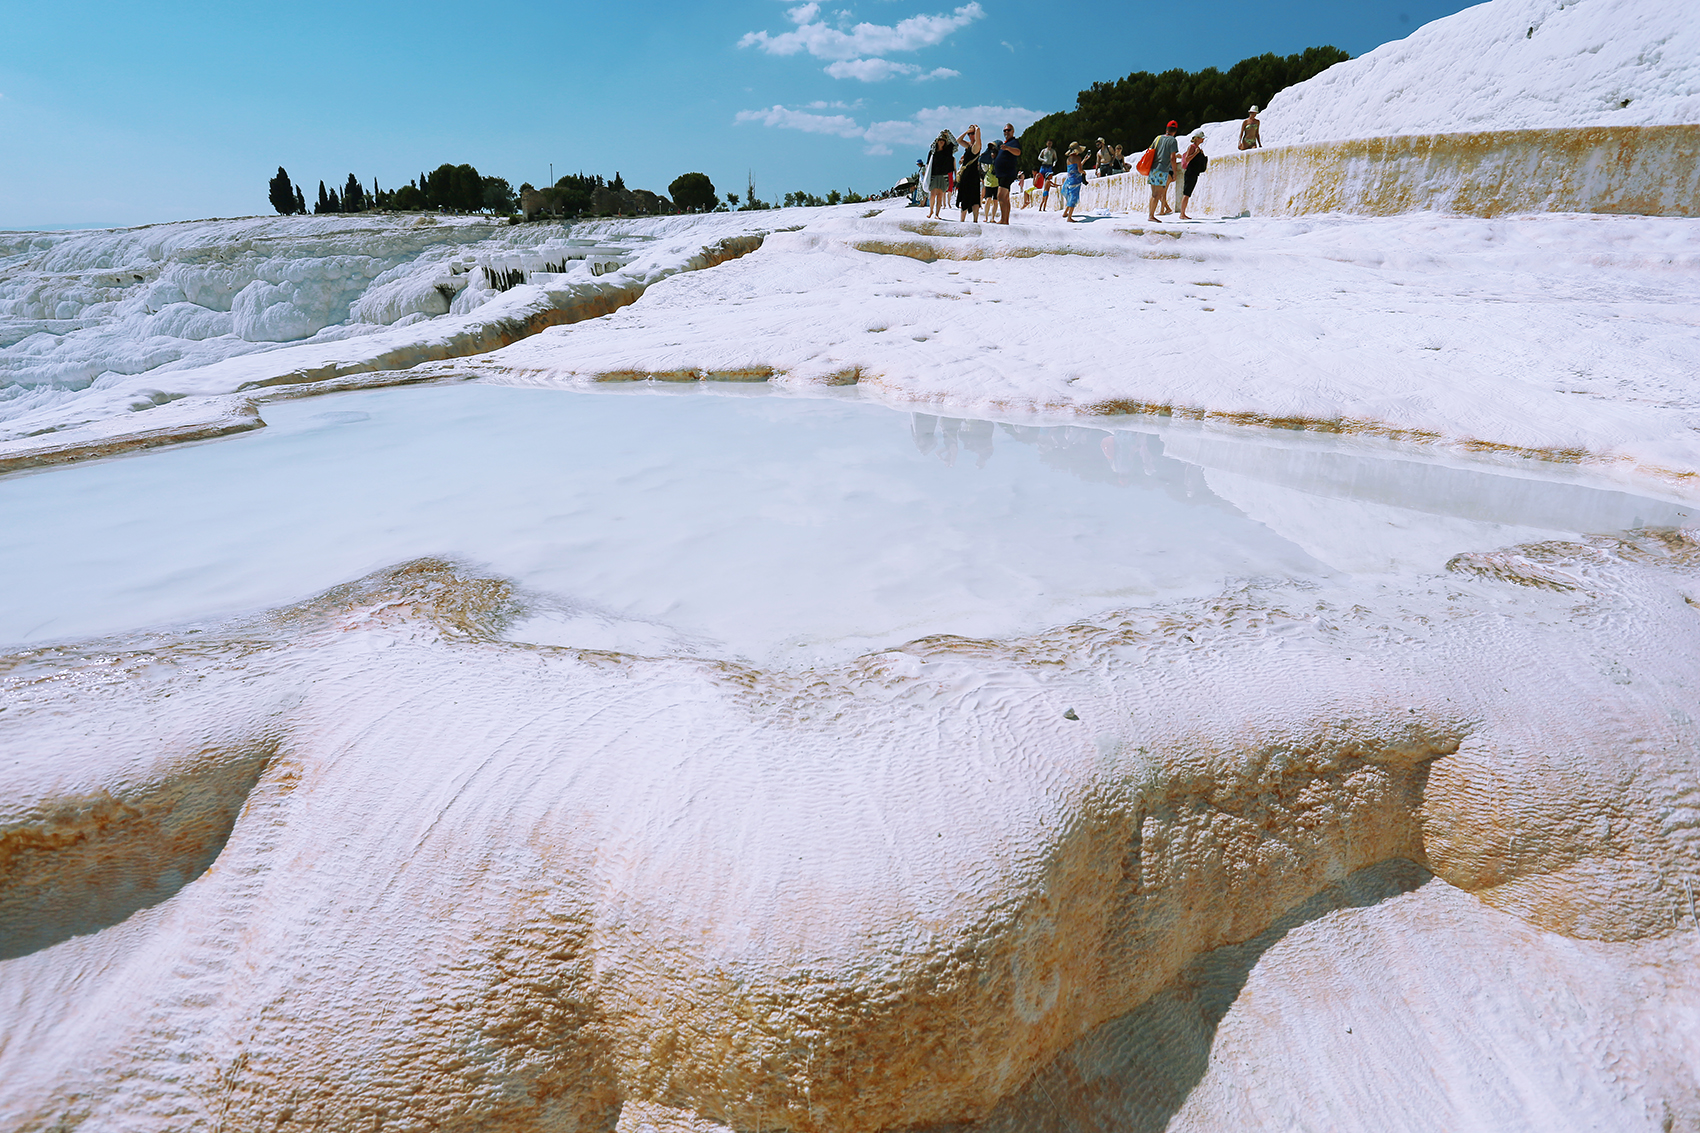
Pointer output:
968, 189
940, 162
1193, 162
1106, 159
1003, 167
1249, 130
989, 187
1047, 167
1072, 180
1162, 168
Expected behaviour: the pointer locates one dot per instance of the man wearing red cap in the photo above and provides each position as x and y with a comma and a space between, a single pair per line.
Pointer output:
1162, 168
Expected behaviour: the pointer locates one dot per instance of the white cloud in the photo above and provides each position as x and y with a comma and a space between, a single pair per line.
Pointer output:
916, 130
878, 70
923, 126
869, 70
836, 104
863, 40
787, 119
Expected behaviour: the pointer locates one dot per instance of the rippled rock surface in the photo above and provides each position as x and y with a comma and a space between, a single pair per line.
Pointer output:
362, 860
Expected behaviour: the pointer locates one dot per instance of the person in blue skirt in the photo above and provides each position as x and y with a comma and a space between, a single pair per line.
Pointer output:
1069, 190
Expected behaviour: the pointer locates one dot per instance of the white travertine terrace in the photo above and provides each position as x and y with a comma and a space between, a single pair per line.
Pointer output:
1503, 65
478, 883
1410, 853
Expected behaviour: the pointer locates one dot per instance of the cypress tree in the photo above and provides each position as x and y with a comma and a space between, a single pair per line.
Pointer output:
300, 202
335, 204
282, 193
353, 196
324, 204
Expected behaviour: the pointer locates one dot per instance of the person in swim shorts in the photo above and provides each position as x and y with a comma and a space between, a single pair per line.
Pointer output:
1004, 166
1047, 167
1162, 167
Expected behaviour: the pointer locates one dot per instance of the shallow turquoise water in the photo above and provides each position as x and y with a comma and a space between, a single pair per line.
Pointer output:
749, 523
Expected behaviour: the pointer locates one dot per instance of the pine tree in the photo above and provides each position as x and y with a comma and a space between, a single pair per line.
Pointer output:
300, 202
282, 193
693, 192
617, 184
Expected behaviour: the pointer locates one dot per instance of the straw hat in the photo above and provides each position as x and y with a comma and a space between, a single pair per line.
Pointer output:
1198, 137
1076, 147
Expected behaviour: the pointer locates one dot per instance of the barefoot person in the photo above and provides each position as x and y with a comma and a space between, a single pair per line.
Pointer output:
1047, 169
1249, 131
988, 179
1069, 191
968, 176
940, 162
1003, 167
1162, 168
1193, 162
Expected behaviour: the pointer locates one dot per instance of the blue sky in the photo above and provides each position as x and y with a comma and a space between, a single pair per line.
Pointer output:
129, 113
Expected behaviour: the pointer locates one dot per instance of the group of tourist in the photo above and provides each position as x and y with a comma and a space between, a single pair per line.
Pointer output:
983, 177
987, 171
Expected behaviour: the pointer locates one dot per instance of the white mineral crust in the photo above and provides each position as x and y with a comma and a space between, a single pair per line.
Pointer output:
1401, 853
1504, 65
470, 882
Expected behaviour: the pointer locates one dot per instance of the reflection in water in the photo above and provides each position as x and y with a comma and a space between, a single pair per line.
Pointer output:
1128, 458
1124, 458
947, 434
1121, 457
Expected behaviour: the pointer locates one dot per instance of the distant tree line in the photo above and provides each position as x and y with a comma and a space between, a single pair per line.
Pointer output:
1134, 110
450, 188
574, 194
460, 188
847, 197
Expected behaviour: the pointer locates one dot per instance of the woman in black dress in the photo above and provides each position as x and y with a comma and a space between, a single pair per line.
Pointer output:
969, 175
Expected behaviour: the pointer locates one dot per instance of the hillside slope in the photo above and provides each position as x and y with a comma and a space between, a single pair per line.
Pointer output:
1504, 65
